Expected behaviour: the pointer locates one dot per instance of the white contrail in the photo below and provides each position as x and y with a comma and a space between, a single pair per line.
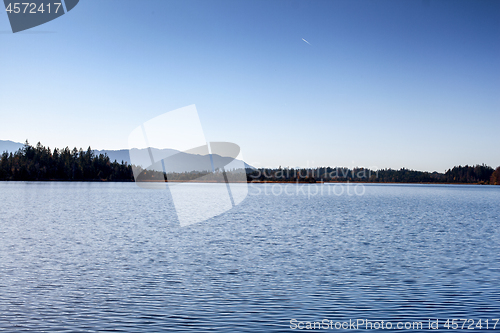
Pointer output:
306, 41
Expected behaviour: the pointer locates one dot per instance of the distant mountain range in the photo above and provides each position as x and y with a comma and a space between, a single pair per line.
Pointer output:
10, 146
176, 161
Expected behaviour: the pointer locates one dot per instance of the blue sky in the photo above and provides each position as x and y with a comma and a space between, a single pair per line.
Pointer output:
381, 84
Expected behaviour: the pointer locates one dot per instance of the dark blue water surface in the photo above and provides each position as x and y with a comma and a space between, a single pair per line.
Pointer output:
84, 257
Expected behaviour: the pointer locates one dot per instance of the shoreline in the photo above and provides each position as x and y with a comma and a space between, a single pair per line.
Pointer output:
248, 182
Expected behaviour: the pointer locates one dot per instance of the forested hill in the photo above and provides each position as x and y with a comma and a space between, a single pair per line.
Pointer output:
41, 163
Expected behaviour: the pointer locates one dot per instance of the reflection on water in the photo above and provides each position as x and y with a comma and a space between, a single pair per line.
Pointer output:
107, 256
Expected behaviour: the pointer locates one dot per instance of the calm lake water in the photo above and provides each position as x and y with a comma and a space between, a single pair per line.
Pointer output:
84, 257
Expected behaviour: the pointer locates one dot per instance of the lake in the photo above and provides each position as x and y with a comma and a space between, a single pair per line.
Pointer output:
84, 257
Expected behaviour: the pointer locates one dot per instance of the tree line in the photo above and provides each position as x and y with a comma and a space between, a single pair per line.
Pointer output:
479, 174
41, 163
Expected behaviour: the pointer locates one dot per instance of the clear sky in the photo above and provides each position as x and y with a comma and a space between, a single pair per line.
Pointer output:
382, 84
